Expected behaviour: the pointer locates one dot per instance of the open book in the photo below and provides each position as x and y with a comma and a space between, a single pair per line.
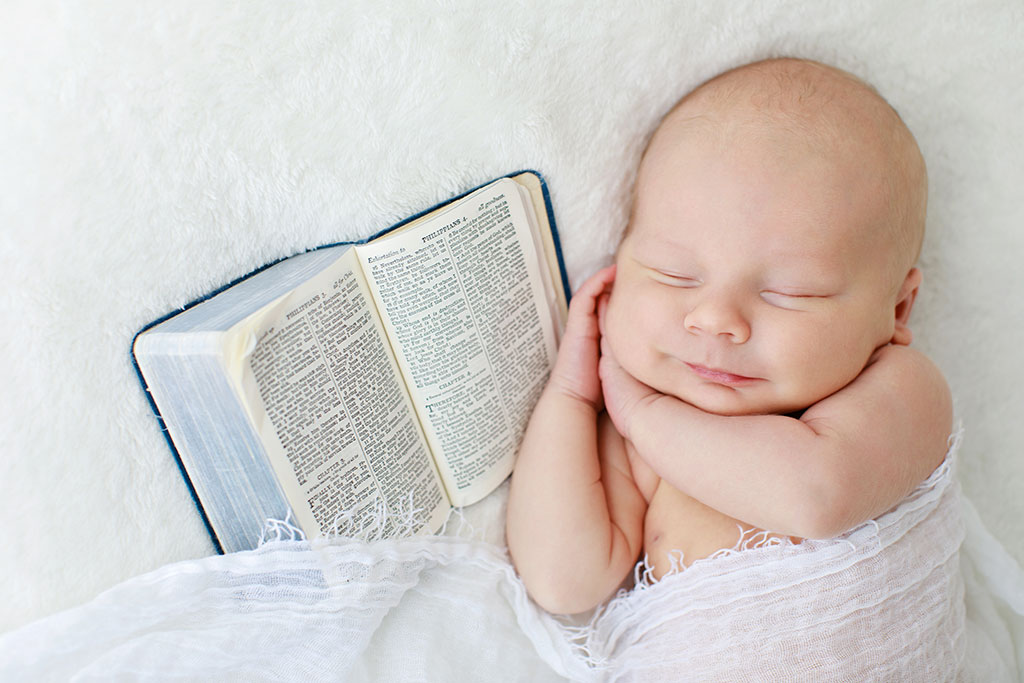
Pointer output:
399, 372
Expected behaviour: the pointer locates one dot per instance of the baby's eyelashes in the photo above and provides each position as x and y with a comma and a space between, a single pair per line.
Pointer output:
791, 300
676, 279
788, 297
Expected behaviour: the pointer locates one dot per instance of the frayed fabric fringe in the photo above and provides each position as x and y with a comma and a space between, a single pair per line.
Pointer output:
772, 609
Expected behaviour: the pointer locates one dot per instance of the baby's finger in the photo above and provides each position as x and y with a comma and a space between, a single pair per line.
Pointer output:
583, 303
598, 282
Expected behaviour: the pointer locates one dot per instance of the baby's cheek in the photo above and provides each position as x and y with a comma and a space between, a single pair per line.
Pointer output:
801, 381
615, 323
624, 348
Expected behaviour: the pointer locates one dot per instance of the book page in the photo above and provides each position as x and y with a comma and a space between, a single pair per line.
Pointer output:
544, 243
463, 302
324, 391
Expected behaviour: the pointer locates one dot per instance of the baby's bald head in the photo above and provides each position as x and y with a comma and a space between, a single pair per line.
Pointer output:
800, 106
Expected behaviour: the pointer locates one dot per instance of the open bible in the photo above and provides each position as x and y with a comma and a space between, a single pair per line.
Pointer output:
398, 373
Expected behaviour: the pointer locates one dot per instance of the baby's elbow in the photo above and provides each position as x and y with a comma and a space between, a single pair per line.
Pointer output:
546, 585
825, 511
822, 522
565, 593
561, 601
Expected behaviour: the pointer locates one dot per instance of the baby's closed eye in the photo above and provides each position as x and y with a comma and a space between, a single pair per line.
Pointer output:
675, 279
793, 299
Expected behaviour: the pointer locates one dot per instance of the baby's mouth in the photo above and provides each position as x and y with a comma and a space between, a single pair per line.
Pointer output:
720, 376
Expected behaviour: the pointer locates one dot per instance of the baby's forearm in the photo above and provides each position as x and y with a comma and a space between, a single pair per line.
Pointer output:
771, 471
850, 457
573, 530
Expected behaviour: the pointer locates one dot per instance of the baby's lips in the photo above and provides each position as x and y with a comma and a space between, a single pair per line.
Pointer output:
720, 376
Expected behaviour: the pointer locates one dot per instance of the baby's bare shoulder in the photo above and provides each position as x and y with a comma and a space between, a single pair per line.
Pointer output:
907, 382
898, 414
897, 358
885, 432
896, 380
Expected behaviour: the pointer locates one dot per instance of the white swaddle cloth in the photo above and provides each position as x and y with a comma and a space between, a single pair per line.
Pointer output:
882, 603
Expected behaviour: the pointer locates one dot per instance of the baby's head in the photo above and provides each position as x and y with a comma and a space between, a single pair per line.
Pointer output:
778, 213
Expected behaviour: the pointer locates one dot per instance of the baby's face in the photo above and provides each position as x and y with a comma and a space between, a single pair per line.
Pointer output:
753, 280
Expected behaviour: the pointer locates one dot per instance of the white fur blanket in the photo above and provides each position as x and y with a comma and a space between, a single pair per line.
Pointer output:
153, 151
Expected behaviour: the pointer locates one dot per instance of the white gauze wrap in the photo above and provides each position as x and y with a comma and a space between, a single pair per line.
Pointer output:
883, 602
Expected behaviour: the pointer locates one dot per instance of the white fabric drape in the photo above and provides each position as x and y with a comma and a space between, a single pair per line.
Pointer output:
883, 602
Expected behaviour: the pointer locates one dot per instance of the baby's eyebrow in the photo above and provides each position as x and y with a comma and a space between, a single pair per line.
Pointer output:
809, 281
660, 249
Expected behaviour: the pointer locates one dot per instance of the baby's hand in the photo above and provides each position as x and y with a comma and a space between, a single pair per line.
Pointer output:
623, 393
575, 371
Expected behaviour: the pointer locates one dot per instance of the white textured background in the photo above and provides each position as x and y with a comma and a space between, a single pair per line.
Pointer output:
151, 151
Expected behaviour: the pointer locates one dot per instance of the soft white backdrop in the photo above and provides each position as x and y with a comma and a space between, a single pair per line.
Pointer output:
150, 152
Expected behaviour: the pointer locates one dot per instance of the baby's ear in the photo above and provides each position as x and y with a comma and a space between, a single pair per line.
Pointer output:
904, 302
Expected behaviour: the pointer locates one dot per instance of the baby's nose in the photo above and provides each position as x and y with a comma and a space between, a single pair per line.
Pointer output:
717, 316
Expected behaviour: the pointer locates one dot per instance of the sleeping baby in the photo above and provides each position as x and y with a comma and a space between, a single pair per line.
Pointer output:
744, 368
